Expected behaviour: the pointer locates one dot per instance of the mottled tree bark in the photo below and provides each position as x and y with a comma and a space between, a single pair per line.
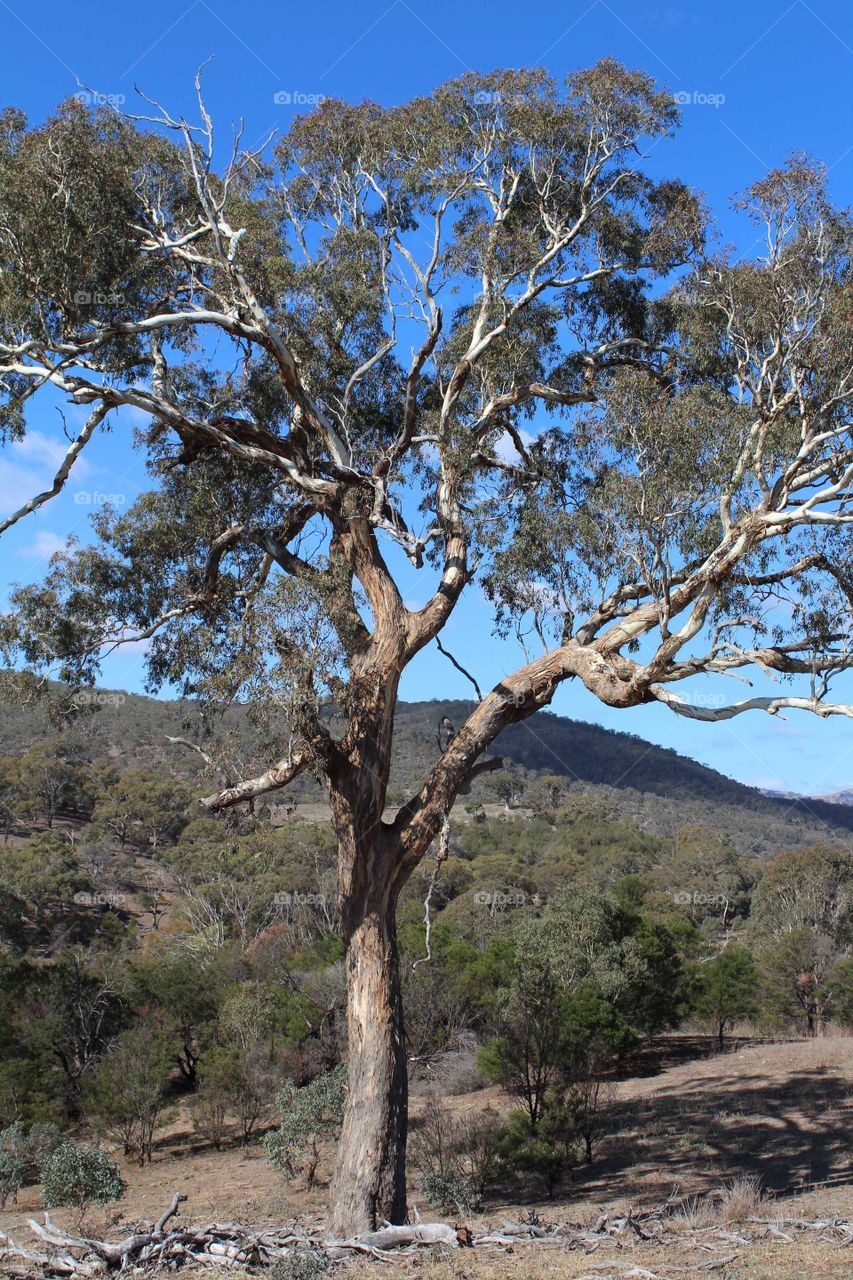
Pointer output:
369, 1186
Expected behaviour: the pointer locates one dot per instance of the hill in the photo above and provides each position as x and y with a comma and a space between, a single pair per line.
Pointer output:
656, 787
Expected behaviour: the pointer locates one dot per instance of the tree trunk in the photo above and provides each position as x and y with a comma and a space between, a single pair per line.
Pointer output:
369, 1186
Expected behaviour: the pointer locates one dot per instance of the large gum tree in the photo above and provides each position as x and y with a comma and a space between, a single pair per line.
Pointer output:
334, 345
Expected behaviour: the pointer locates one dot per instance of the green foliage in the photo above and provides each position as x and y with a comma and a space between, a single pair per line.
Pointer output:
809, 889
308, 1117
726, 988
187, 991
588, 940
450, 1192
45, 873
796, 969
545, 1151
13, 1161
80, 1175
143, 809
841, 993
48, 778
216, 1094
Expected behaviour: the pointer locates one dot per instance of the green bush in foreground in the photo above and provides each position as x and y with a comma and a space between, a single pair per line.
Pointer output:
308, 1117
80, 1175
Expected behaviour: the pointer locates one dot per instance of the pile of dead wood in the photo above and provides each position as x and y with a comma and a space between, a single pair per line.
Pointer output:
228, 1244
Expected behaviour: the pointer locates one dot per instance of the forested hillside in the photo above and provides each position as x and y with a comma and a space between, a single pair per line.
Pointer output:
591, 893
631, 778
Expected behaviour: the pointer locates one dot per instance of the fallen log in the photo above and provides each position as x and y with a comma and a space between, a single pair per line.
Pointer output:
167, 1245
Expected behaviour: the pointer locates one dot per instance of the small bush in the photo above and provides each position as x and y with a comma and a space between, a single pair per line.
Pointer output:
23, 1153
13, 1161
457, 1072
80, 1175
42, 1141
741, 1198
308, 1117
303, 1265
549, 1151
457, 1156
451, 1191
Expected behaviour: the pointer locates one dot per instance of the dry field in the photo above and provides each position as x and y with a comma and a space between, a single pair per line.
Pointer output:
779, 1113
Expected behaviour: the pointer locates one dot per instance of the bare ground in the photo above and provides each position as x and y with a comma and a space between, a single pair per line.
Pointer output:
781, 1112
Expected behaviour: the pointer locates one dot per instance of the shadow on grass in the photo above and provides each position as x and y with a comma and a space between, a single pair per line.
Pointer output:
792, 1134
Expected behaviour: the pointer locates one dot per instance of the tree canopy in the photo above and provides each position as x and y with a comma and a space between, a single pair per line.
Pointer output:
334, 345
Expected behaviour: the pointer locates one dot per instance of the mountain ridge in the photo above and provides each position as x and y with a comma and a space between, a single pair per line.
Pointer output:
658, 787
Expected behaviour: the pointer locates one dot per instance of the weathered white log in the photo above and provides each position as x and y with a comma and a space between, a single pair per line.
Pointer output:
396, 1237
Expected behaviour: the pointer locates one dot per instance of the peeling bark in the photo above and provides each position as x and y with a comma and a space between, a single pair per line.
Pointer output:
369, 1186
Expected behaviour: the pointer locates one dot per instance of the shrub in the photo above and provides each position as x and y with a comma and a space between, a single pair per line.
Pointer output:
13, 1161
547, 1151
22, 1155
308, 1117
477, 1144
80, 1175
457, 1156
42, 1141
589, 1100
450, 1191
302, 1265
128, 1094
725, 989
216, 1095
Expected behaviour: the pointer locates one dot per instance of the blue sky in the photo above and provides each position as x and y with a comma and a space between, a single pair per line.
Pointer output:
757, 81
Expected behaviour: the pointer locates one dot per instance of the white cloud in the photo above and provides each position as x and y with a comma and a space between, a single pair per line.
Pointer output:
38, 449
44, 545
28, 466
506, 450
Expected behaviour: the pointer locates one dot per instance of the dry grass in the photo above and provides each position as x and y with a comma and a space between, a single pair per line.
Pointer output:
764, 1131
740, 1199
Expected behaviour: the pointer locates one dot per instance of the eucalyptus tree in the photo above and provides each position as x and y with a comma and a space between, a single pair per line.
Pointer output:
335, 346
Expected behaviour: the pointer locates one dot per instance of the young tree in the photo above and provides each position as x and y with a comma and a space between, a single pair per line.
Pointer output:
530, 1047
216, 1095
128, 1093
796, 969
186, 994
726, 989
367, 399
802, 924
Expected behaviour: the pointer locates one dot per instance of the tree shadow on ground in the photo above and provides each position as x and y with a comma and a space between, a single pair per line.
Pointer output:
791, 1134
